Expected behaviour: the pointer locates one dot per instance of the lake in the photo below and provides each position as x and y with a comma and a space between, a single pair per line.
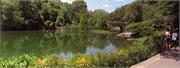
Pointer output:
63, 43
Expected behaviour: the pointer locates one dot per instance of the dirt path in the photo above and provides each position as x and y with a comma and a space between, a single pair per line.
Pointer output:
162, 60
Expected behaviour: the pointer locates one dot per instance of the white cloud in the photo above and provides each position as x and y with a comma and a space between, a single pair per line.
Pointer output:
68, 1
92, 9
115, 0
106, 5
119, 0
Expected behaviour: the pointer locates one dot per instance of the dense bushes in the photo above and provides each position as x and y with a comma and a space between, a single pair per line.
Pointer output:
144, 28
21, 61
156, 41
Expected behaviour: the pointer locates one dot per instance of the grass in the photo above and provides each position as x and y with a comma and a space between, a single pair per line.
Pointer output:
77, 27
100, 31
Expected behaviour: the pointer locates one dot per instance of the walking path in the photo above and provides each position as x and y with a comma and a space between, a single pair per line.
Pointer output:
162, 60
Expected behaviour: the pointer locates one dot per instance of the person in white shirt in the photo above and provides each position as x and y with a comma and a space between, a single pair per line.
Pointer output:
174, 38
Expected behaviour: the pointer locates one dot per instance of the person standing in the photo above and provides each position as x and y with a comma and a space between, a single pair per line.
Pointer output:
174, 38
167, 38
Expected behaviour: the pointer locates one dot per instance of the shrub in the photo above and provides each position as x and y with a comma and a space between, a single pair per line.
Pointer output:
156, 41
144, 28
24, 60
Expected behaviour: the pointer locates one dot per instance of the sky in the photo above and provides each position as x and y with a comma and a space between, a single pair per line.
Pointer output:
108, 5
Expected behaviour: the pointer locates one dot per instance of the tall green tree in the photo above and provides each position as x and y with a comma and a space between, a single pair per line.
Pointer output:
101, 17
78, 8
11, 18
125, 15
49, 13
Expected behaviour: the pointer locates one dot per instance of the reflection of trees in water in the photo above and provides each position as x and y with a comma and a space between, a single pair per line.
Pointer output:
18, 42
119, 41
41, 43
91, 50
66, 54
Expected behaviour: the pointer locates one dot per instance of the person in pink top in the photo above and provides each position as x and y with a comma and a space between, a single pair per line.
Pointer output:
167, 38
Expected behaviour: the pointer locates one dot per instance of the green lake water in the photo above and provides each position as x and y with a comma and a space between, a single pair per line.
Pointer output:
63, 43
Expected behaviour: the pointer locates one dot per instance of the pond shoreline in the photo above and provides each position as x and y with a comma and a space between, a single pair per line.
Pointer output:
81, 60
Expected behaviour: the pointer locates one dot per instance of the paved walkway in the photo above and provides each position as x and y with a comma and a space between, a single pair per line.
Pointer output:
162, 60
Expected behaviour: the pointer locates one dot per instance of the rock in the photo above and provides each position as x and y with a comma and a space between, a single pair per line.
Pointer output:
125, 34
130, 39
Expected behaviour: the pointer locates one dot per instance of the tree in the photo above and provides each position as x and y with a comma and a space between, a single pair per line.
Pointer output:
49, 13
125, 15
30, 13
163, 13
170, 10
100, 16
78, 8
11, 16
64, 15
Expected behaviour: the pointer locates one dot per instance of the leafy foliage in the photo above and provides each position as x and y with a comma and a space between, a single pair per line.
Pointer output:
47, 14
143, 28
161, 14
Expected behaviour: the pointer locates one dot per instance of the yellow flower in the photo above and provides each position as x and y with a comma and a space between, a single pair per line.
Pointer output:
82, 61
123, 52
41, 62
65, 62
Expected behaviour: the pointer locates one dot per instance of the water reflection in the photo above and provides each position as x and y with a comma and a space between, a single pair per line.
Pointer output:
66, 44
65, 55
91, 50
